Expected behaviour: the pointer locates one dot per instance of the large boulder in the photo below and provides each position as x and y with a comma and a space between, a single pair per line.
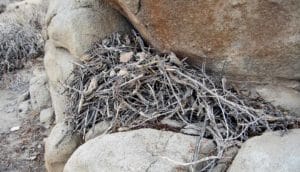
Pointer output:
59, 65
72, 27
238, 37
269, 152
81, 23
59, 146
138, 150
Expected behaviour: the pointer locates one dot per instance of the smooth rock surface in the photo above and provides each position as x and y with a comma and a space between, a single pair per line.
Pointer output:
82, 23
59, 147
59, 65
269, 152
284, 97
138, 150
99, 129
259, 39
47, 116
39, 92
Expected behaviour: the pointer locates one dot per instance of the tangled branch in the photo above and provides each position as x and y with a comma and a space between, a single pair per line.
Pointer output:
125, 82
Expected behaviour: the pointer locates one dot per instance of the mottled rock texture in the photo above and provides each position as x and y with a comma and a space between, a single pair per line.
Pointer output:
259, 39
270, 152
138, 150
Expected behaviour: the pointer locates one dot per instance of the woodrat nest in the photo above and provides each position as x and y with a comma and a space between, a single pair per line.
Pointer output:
123, 81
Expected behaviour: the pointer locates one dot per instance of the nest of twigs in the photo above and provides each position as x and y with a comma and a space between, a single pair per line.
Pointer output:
125, 82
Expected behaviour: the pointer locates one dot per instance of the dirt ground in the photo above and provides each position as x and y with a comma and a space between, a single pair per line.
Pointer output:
21, 150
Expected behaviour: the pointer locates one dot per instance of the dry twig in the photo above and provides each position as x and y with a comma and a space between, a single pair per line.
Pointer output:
151, 87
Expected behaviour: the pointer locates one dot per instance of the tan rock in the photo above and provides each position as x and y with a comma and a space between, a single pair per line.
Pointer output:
270, 152
286, 98
138, 150
82, 23
99, 129
47, 116
59, 65
39, 92
59, 146
25, 12
237, 37
57, 6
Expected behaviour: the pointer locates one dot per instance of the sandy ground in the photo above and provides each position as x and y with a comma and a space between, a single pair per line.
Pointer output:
21, 150
8, 113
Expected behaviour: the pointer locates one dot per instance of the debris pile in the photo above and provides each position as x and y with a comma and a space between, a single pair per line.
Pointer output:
123, 81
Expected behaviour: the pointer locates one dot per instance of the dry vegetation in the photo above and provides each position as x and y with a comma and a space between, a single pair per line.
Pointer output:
125, 82
20, 36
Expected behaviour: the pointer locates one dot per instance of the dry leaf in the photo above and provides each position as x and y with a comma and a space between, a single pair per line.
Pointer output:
125, 57
174, 59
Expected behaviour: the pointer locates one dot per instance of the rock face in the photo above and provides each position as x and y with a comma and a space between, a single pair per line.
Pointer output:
269, 152
257, 38
82, 23
286, 98
59, 147
139, 150
39, 92
99, 129
59, 65
47, 116
72, 27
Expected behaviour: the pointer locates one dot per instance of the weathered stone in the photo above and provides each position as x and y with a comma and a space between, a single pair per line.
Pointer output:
242, 38
59, 65
77, 28
58, 6
26, 12
269, 152
47, 116
24, 108
23, 97
138, 150
39, 92
59, 146
284, 97
99, 129
24, 4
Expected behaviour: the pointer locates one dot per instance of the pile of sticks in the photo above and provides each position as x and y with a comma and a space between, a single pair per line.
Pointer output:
127, 83
18, 44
